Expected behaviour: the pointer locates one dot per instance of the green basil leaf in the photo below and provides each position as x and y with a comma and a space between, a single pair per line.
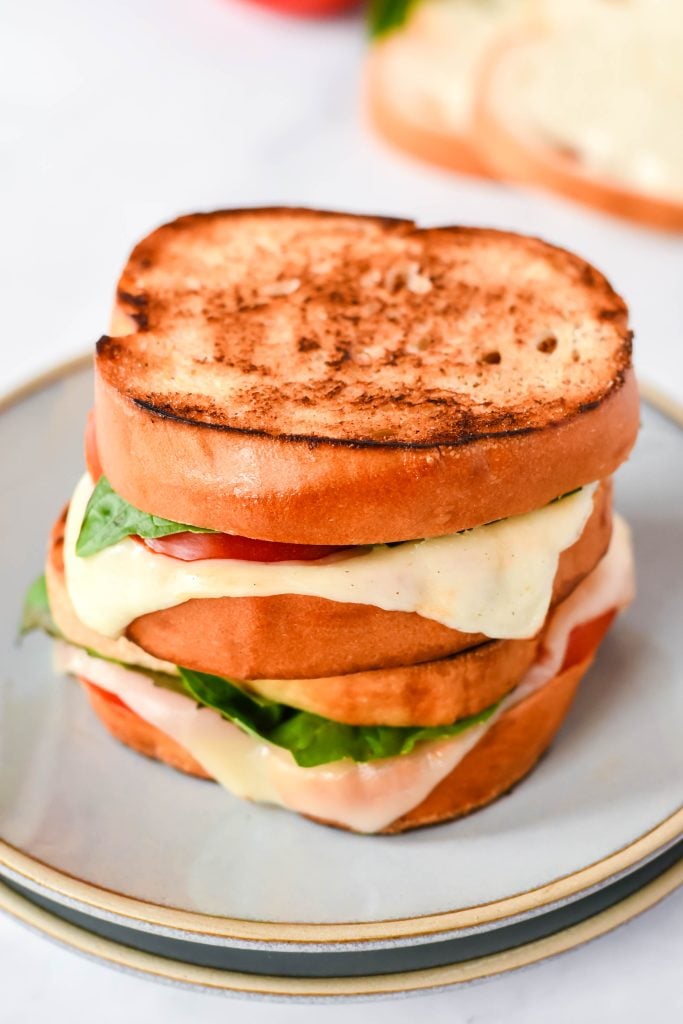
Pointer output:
255, 715
386, 15
36, 612
311, 739
109, 518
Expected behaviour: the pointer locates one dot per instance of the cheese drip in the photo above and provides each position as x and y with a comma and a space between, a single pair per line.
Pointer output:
364, 797
495, 579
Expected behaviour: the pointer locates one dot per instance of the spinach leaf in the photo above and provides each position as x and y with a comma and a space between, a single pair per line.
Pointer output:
311, 739
386, 15
36, 612
109, 518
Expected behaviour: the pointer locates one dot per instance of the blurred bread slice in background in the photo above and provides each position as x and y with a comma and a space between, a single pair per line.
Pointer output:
582, 97
421, 77
589, 103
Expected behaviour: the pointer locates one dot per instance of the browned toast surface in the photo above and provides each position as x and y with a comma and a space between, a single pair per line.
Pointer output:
308, 325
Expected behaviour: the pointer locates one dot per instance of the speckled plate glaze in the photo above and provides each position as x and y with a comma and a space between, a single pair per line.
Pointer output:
131, 853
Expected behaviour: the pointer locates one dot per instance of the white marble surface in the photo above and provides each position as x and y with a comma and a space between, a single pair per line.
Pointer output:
114, 117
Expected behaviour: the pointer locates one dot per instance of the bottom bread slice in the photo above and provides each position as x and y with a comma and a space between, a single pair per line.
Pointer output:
135, 732
505, 754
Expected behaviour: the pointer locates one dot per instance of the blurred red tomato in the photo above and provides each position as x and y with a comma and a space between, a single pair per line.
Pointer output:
310, 8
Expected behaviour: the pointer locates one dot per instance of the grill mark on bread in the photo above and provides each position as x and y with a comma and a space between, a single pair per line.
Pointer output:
352, 356
466, 436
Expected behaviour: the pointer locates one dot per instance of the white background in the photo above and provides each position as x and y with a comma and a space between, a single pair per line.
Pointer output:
115, 116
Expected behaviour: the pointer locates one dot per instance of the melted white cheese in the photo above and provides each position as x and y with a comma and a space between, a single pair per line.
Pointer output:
610, 585
495, 579
364, 797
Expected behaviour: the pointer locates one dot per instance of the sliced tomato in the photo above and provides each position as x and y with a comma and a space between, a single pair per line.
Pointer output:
310, 8
92, 458
103, 694
585, 638
189, 547
192, 546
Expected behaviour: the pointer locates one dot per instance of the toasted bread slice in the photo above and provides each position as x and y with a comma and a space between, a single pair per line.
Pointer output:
430, 693
294, 637
421, 79
504, 756
329, 379
609, 135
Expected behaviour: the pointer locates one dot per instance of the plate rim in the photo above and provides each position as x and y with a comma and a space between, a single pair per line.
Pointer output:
425, 927
340, 989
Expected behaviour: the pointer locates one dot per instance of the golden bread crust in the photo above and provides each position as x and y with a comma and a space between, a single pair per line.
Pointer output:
430, 693
402, 389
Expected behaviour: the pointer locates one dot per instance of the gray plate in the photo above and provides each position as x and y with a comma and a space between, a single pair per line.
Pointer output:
90, 825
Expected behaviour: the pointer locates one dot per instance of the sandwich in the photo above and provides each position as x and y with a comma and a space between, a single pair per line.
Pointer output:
609, 135
345, 541
422, 72
580, 98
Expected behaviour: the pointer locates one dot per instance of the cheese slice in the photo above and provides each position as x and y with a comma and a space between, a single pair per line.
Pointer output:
364, 797
610, 585
495, 579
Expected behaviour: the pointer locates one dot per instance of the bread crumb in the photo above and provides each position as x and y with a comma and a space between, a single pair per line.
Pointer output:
418, 283
407, 274
370, 278
278, 288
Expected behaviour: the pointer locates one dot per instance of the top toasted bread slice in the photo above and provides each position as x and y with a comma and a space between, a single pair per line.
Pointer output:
301, 325
284, 343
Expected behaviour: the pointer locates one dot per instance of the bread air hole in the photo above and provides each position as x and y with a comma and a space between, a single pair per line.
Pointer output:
491, 357
547, 344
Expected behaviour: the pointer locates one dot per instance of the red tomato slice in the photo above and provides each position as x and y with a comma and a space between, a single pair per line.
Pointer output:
191, 546
310, 8
585, 638
104, 694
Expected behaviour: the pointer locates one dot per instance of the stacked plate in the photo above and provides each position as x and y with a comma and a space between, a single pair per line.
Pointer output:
161, 873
